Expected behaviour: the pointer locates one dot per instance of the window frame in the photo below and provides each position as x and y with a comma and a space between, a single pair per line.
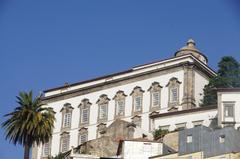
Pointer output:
102, 102
229, 105
137, 93
44, 148
172, 85
120, 112
66, 117
135, 103
82, 115
64, 137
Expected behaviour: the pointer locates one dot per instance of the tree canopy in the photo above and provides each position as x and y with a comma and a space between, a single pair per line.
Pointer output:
30, 123
228, 76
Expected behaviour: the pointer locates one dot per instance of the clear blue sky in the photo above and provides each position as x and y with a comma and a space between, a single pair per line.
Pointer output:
45, 43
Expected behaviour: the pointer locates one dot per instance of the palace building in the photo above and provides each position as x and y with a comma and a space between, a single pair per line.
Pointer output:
165, 94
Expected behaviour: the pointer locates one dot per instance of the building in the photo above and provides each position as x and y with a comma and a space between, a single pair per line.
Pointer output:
203, 142
164, 93
228, 107
139, 148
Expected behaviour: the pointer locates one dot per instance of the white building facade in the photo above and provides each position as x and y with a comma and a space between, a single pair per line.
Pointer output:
229, 107
164, 94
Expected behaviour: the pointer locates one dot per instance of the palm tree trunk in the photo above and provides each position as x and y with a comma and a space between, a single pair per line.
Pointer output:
26, 151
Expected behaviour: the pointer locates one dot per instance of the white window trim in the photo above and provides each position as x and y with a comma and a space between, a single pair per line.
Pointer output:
135, 103
101, 112
67, 119
153, 99
82, 115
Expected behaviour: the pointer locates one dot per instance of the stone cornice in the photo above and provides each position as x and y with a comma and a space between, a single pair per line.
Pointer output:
124, 80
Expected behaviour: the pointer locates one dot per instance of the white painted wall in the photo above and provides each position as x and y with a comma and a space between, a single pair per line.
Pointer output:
141, 150
229, 97
189, 118
200, 81
93, 97
127, 88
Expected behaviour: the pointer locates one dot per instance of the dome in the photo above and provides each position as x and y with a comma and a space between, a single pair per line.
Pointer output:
191, 49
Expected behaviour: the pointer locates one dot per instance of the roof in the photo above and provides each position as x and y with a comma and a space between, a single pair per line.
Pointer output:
228, 89
183, 111
128, 71
190, 46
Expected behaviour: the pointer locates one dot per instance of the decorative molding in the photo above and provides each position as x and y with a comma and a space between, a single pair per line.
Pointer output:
120, 96
67, 108
82, 131
101, 129
137, 92
64, 135
137, 120
103, 100
85, 104
155, 88
173, 83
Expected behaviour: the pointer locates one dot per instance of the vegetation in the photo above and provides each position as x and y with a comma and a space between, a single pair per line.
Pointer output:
59, 156
29, 123
228, 76
159, 133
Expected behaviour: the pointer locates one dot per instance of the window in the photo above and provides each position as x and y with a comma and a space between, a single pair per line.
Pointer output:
67, 120
66, 116
85, 114
137, 120
120, 107
119, 104
222, 139
166, 127
101, 130
46, 149
103, 108
64, 144
181, 126
155, 99
138, 123
174, 95
138, 103
155, 95
82, 138
228, 110
189, 139
137, 99
103, 111
197, 123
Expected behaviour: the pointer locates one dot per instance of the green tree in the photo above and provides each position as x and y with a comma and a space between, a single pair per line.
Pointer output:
159, 133
59, 156
228, 76
29, 123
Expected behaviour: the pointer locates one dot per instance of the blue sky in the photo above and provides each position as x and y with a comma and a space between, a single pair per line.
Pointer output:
45, 43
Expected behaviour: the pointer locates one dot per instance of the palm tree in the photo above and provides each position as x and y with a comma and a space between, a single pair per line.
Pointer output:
29, 123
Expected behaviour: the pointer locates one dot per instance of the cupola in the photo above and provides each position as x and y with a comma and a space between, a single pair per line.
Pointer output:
191, 49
